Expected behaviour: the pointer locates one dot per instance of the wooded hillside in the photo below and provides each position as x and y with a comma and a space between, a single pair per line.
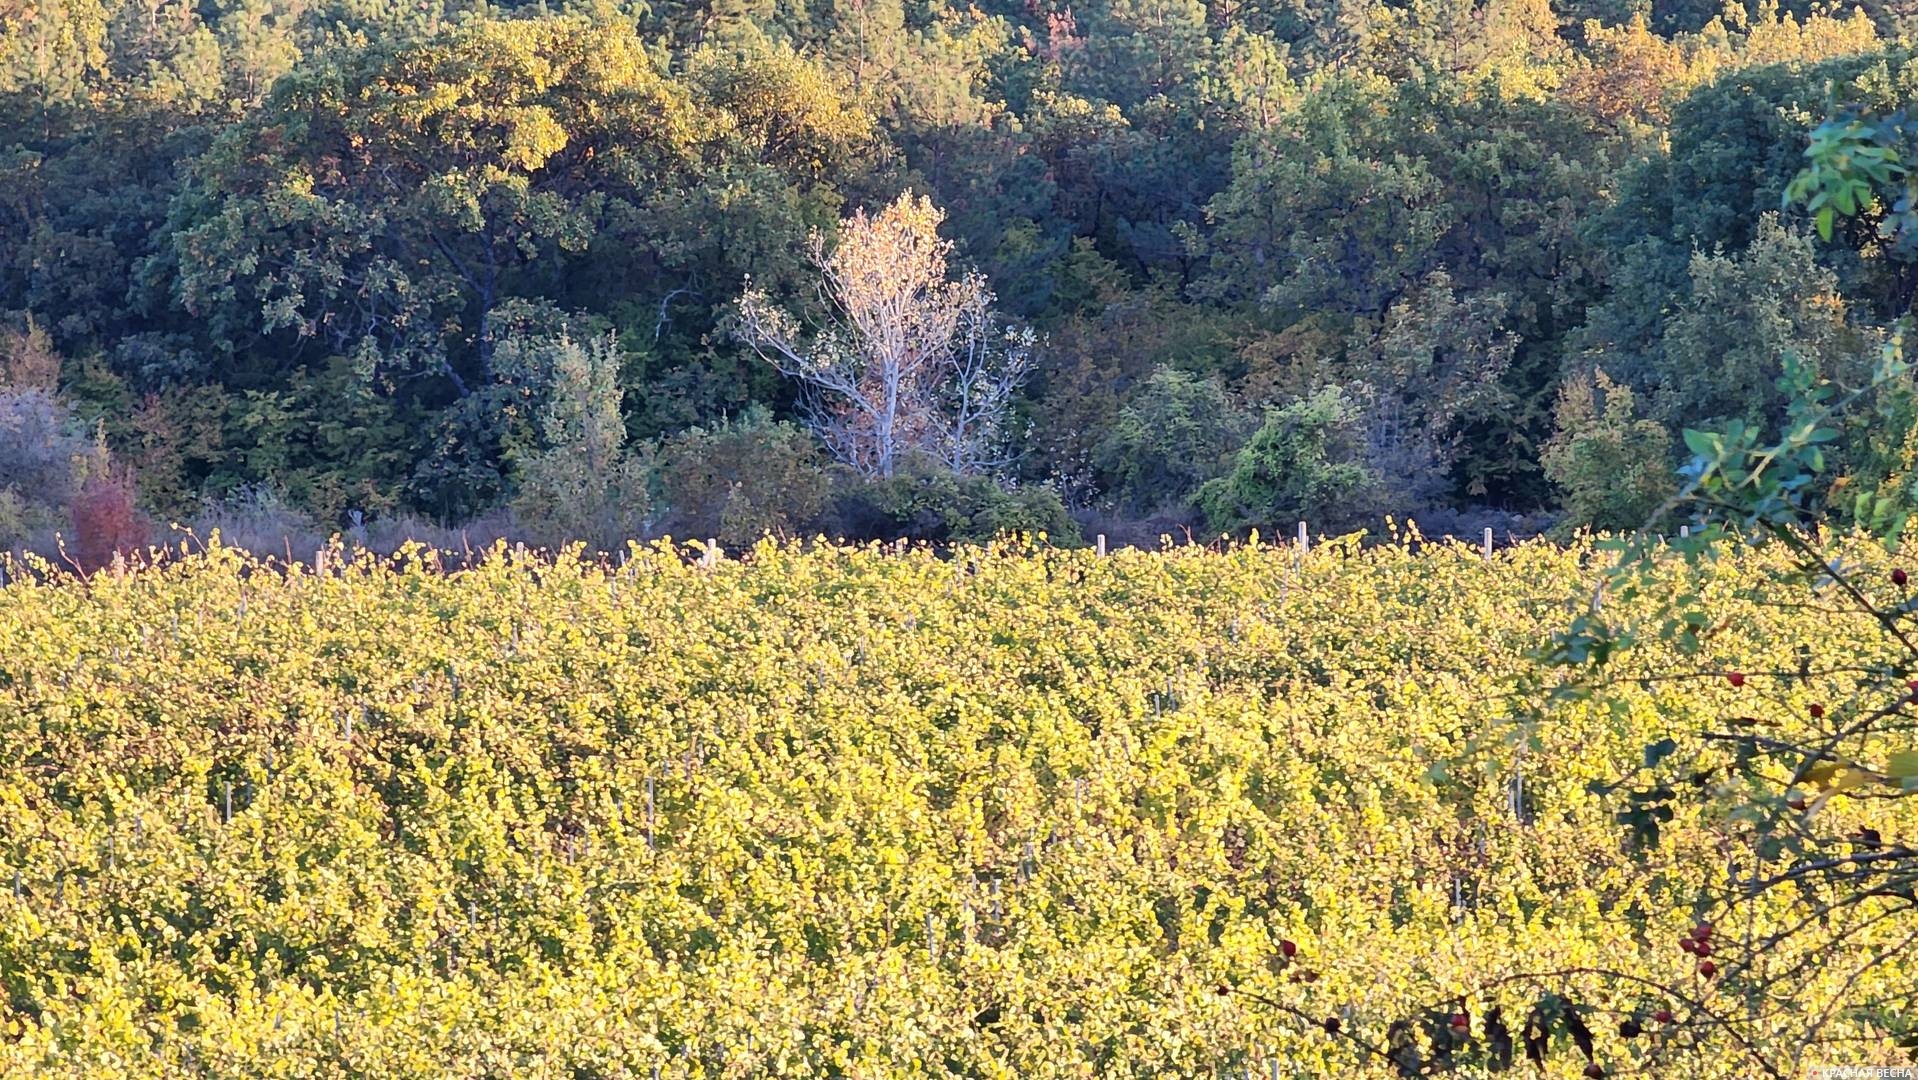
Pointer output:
594, 273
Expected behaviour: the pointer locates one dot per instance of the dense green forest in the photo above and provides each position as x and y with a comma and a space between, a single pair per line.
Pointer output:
1132, 265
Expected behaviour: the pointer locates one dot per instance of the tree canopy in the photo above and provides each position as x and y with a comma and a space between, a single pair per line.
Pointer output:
285, 244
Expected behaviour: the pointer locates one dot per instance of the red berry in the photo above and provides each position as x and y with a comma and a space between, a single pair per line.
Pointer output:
1817, 712
1288, 949
1594, 1070
1736, 678
1707, 968
1331, 1025
1704, 948
1912, 686
1460, 1021
1796, 802
1663, 1016
1898, 577
1703, 931
1688, 944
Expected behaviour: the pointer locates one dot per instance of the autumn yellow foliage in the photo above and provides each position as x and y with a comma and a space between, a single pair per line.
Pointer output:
1016, 812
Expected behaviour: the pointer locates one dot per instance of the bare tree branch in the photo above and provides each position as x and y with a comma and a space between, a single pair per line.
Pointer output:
912, 362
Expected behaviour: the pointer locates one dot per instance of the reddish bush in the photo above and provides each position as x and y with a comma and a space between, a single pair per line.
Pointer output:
106, 521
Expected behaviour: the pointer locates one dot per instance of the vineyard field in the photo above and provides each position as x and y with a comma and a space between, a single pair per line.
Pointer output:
836, 812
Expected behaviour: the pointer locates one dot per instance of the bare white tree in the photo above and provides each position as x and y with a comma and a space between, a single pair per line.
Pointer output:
990, 361
911, 360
